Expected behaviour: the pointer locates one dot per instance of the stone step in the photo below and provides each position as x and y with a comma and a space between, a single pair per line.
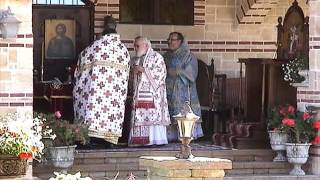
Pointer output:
272, 177
106, 163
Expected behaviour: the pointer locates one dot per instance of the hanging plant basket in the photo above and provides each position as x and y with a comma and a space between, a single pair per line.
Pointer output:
12, 166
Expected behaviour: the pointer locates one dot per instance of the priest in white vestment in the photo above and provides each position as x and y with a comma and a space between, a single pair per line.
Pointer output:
150, 114
100, 89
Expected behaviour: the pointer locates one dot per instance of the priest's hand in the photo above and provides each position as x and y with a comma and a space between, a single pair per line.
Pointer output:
173, 72
138, 69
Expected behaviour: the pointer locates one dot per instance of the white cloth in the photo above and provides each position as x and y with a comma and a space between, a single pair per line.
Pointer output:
101, 87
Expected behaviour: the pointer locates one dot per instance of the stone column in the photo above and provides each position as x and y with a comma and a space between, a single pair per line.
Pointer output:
16, 64
311, 95
165, 168
16, 61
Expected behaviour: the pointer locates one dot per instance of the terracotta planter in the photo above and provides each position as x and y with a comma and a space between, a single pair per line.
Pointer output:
277, 142
12, 166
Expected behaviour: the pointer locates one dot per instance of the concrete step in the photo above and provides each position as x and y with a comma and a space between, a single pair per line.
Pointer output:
103, 164
272, 177
261, 167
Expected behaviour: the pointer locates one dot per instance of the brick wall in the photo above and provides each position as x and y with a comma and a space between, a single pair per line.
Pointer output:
311, 95
16, 61
216, 34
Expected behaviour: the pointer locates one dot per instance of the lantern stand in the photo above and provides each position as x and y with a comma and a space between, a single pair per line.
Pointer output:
185, 126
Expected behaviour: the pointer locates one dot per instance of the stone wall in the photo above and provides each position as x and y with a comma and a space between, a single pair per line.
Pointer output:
16, 61
218, 32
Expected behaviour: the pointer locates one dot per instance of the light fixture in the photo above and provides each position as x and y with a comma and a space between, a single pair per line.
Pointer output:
186, 122
9, 24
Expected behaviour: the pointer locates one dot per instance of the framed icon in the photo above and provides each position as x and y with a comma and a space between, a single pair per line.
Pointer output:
59, 39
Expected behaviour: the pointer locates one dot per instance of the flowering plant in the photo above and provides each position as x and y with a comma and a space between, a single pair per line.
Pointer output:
316, 125
65, 132
298, 125
20, 135
275, 116
291, 70
61, 176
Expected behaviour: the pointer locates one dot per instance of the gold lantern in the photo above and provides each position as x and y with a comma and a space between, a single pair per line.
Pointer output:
186, 123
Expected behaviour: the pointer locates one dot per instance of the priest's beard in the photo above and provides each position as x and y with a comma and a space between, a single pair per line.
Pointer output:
140, 53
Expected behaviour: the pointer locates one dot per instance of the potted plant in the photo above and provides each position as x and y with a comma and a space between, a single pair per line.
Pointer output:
278, 137
298, 125
295, 70
315, 148
20, 140
62, 148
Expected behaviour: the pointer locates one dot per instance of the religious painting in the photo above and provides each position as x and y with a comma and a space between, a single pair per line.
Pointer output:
293, 45
59, 39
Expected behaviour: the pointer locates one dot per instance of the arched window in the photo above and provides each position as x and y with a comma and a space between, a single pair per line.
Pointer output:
58, 2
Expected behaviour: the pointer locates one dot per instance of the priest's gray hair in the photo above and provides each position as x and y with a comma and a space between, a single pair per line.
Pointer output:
144, 40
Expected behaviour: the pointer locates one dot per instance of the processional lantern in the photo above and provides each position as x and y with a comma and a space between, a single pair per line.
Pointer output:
9, 24
185, 121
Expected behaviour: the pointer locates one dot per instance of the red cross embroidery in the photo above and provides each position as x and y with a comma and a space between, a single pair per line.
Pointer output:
91, 57
156, 77
123, 91
79, 90
102, 124
107, 93
97, 115
109, 79
113, 50
105, 109
90, 106
106, 43
80, 105
116, 88
104, 56
119, 115
94, 77
114, 103
85, 81
97, 49
92, 92
85, 96
102, 70
111, 117
101, 85
99, 99
118, 73
120, 59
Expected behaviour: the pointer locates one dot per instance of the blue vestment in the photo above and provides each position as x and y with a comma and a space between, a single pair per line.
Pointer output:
182, 88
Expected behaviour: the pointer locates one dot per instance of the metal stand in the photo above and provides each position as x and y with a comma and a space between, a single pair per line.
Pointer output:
185, 149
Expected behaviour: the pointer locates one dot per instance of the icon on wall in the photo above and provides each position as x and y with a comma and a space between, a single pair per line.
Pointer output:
59, 39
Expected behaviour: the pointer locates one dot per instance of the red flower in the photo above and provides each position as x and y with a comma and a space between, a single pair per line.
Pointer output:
306, 115
291, 109
282, 111
316, 140
25, 155
58, 114
316, 124
288, 122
